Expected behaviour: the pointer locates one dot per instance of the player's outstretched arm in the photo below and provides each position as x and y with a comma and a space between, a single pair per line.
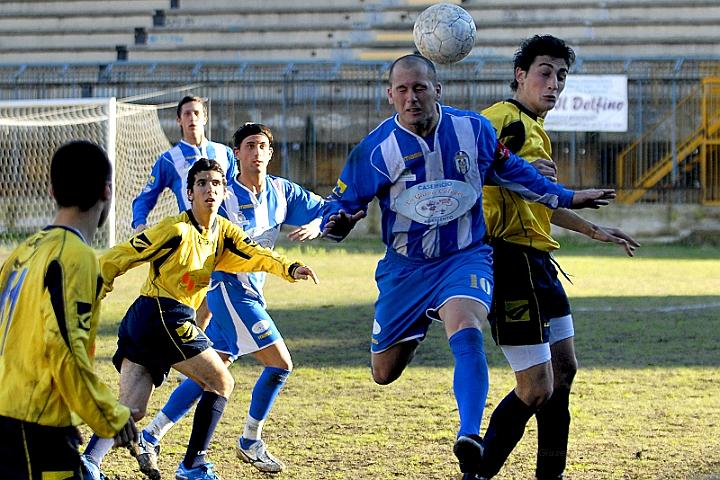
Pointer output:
592, 198
340, 224
303, 272
570, 220
309, 231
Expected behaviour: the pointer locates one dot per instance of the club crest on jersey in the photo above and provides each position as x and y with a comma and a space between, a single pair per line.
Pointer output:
462, 162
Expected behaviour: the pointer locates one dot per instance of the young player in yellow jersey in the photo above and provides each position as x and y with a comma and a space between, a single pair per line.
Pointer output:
159, 329
49, 313
530, 314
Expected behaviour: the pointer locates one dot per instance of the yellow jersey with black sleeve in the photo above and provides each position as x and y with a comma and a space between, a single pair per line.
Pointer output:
49, 313
507, 215
183, 254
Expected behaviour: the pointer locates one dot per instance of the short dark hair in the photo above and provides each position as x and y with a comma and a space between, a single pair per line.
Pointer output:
248, 130
79, 172
204, 165
188, 99
536, 46
417, 59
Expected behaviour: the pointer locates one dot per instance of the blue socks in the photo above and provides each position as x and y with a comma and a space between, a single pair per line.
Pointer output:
266, 390
182, 399
471, 379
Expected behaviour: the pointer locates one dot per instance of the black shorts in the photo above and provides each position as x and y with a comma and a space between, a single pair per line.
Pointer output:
157, 333
526, 296
29, 451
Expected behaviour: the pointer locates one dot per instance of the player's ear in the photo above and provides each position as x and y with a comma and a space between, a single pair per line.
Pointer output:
107, 192
438, 90
520, 75
389, 95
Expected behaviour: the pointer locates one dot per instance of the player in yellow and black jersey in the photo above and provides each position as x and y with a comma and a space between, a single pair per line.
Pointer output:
530, 313
49, 313
159, 330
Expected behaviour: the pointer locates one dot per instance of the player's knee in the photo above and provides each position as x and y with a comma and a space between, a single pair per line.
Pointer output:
385, 376
222, 384
138, 413
566, 374
536, 395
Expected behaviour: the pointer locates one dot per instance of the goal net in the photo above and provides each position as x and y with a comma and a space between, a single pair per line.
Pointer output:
31, 131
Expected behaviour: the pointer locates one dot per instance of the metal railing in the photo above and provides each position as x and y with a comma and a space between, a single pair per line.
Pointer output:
318, 111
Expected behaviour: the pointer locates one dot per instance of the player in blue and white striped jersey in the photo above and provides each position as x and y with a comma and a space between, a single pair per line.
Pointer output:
427, 166
240, 324
172, 166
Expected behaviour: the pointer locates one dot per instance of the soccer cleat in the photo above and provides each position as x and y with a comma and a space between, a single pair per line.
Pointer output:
203, 472
469, 451
90, 471
147, 458
258, 456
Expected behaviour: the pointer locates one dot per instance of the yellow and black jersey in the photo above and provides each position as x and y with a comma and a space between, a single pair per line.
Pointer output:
49, 312
182, 255
507, 215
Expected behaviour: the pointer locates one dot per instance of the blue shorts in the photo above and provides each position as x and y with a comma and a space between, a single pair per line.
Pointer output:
412, 290
528, 294
239, 324
157, 333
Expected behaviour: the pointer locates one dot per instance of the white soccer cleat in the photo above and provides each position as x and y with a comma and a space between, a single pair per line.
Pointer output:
258, 456
147, 458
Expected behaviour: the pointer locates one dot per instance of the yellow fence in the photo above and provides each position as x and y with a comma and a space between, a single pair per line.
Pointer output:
685, 144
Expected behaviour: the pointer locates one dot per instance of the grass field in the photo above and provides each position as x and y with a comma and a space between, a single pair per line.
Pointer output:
646, 403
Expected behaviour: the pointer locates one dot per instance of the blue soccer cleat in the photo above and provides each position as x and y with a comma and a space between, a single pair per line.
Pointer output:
203, 472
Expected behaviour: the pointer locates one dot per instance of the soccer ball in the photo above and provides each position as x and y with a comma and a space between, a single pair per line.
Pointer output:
444, 33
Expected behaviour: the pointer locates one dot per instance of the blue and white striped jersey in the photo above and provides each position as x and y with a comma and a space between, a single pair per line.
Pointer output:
431, 195
170, 171
261, 216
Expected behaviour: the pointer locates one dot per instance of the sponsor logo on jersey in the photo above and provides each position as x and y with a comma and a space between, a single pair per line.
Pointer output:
412, 156
260, 327
437, 202
187, 332
517, 311
462, 162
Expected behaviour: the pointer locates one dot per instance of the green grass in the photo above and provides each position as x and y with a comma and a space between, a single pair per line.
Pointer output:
646, 402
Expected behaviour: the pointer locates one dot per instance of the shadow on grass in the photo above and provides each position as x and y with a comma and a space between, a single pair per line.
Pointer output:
634, 333
623, 332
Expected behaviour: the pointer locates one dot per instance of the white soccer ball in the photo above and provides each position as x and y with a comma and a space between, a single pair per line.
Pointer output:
444, 33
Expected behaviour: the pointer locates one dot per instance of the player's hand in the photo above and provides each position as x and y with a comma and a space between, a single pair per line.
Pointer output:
306, 232
140, 228
615, 235
546, 168
339, 225
303, 272
127, 436
592, 198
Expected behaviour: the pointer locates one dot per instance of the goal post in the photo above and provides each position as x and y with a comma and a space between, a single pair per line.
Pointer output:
31, 131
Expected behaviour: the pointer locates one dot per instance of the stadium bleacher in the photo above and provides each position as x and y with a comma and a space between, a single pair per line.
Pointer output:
342, 30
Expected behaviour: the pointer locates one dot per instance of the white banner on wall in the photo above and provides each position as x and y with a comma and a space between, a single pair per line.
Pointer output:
591, 103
